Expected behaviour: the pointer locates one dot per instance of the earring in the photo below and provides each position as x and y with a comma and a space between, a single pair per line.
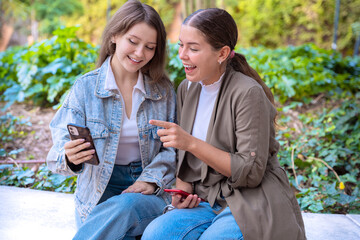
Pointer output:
220, 62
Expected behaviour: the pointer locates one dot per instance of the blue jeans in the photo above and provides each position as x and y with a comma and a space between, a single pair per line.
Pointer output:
195, 223
121, 216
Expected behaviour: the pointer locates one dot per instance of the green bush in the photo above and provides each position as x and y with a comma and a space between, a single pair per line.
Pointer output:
278, 23
42, 179
300, 73
43, 72
323, 160
11, 128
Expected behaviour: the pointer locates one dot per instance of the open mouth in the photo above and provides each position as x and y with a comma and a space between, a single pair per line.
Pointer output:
134, 60
189, 67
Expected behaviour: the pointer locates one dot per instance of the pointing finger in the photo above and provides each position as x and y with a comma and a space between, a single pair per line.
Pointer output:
160, 123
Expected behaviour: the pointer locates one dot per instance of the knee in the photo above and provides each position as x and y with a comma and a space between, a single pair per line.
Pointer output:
124, 204
156, 229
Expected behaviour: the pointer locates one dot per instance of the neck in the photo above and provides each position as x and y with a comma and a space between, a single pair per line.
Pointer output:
215, 79
121, 75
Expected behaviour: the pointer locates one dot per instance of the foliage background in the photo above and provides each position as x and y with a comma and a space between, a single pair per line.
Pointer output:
271, 23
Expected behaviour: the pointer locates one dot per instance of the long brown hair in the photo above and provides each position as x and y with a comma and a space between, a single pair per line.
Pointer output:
129, 14
219, 29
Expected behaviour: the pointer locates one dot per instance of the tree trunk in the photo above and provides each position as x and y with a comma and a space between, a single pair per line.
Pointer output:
34, 27
6, 33
199, 4
176, 23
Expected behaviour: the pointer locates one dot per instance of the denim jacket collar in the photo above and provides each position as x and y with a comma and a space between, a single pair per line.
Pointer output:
151, 90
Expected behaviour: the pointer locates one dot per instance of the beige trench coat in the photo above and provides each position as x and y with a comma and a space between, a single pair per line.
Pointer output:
258, 191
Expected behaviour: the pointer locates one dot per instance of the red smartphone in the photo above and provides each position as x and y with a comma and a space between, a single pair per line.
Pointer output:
184, 194
83, 132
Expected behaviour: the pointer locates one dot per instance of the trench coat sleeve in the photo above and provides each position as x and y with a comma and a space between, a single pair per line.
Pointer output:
252, 129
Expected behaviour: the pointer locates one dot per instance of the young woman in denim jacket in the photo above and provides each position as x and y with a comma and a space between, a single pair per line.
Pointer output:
119, 197
227, 146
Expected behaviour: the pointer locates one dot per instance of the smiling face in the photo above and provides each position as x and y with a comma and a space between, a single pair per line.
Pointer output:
134, 49
200, 60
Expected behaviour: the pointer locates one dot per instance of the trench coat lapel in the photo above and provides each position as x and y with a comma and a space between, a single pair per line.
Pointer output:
209, 136
188, 112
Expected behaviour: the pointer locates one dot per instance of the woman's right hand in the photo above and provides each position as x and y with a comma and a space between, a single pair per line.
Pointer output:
74, 154
190, 201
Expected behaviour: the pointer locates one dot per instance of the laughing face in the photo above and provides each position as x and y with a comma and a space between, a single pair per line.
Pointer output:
134, 49
200, 60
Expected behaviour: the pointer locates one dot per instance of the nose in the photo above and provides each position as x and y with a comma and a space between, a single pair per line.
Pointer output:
182, 54
139, 51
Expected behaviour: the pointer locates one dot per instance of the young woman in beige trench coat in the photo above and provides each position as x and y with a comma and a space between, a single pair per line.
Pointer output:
227, 147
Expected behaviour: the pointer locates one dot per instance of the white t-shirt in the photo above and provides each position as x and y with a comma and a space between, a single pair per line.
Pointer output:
205, 108
128, 149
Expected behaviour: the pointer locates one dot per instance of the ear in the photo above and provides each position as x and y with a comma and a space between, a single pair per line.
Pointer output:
112, 39
224, 53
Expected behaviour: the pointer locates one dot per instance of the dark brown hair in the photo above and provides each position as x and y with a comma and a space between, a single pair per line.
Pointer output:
219, 29
129, 14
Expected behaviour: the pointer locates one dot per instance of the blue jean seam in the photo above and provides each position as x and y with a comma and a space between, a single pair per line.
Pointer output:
193, 227
139, 221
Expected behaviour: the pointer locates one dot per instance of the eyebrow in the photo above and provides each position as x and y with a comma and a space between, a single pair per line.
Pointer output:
141, 39
191, 43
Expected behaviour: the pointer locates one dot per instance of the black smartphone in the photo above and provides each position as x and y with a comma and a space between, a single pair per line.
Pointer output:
82, 132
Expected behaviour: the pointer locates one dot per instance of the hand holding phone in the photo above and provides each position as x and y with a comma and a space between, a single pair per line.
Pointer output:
83, 132
183, 194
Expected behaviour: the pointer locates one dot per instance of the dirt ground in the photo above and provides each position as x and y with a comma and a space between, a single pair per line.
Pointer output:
37, 141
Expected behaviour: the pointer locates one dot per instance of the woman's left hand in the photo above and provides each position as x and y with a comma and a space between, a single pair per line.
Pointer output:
141, 187
173, 135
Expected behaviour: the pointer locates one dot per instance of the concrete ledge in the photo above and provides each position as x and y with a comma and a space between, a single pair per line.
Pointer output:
34, 214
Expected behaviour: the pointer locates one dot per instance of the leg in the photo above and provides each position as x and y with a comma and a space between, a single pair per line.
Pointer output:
223, 227
122, 216
180, 224
121, 178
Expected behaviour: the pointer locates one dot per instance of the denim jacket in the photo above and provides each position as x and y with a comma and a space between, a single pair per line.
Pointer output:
89, 104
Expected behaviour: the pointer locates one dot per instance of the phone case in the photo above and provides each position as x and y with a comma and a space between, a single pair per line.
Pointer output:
181, 192
83, 132
177, 191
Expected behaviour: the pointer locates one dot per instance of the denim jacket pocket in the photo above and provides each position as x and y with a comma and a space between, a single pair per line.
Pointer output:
99, 133
97, 129
154, 134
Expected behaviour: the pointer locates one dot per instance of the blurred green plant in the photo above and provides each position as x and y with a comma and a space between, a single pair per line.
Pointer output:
45, 71
174, 67
11, 128
300, 73
323, 160
278, 23
42, 179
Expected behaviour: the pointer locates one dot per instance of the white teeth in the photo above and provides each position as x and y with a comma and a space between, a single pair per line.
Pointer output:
189, 66
135, 60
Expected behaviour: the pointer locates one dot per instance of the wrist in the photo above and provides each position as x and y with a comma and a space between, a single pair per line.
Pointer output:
192, 145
